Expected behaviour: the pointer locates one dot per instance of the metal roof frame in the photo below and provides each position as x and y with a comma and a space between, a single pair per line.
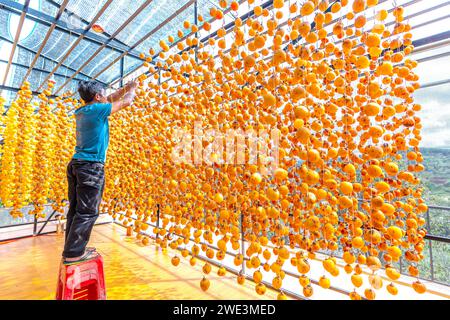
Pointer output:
47, 20
86, 23
45, 57
176, 13
16, 40
37, 69
75, 44
44, 42
244, 17
126, 23
54, 23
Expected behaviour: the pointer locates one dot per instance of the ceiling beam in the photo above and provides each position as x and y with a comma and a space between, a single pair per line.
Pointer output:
265, 5
21, 65
174, 15
85, 22
43, 56
44, 42
47, 20
16, 39
126, 23
75, 44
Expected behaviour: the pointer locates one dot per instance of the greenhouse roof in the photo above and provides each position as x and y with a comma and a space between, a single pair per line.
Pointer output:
59, 39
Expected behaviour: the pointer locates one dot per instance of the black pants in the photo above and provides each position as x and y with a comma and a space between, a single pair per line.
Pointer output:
86, 183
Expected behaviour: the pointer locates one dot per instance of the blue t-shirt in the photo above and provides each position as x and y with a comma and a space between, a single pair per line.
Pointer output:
92, 132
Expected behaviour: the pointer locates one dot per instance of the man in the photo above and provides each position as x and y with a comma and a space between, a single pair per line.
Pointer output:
85, 172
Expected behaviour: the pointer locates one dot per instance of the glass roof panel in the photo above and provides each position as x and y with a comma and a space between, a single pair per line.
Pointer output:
110, 74
170, 28
82, 52
58, 43
4, 22
131, 64
35, 36
84, 8
103, 59
49, 7
15, 75
117, 14
155, 14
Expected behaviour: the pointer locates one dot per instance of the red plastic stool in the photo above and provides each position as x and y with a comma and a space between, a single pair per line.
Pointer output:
82, 281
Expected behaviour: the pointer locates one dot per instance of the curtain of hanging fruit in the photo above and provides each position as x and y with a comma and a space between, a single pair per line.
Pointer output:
341, 99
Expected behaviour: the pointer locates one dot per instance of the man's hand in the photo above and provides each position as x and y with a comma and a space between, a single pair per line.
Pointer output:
131, 85
117, 96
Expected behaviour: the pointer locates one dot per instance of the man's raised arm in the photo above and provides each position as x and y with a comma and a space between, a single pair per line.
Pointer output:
120, 93
126, 99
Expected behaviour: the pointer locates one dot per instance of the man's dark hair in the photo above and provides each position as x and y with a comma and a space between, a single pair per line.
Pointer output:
88, 90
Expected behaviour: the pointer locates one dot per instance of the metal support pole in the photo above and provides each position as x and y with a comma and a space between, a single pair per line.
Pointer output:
122, 66
242, 243
431, 260
157, 221
34, 225
46, 221
430, 245
196, 23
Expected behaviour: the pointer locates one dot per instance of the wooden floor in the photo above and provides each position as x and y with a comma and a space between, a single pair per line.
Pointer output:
28, 270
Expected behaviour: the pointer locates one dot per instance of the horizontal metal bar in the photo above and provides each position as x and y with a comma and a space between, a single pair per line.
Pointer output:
126, 23
432, 39
30, 223
437, 238
37, 69
16, 225
44, 233
45, 57
229, 269
434, 84
439, 207
436, 56
333, 288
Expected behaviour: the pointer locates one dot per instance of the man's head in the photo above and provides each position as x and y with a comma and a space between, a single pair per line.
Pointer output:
92, 91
